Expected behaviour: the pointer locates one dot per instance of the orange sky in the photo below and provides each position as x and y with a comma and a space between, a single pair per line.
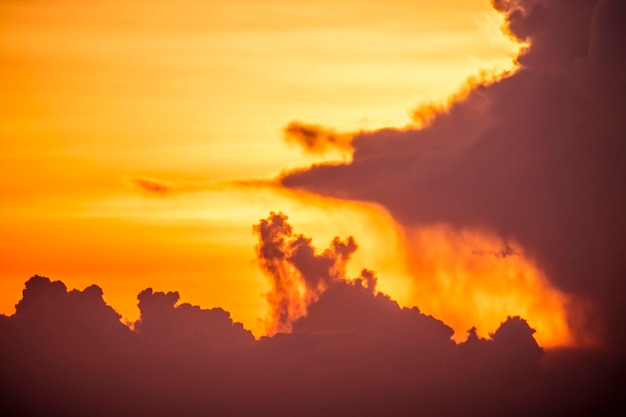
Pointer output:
195, 92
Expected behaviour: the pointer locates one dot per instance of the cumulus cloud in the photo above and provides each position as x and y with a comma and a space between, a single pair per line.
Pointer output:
356, 351
160, 187
349, 307
537, 157
59, 316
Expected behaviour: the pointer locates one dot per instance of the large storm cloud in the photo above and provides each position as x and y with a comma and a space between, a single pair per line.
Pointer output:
537, 157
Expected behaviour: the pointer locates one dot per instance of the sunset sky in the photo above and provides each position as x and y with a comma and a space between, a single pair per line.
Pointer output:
271, 207
99, 98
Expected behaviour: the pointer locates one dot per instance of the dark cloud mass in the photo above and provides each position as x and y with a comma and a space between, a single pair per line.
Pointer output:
350, 351
538, 157
162, 321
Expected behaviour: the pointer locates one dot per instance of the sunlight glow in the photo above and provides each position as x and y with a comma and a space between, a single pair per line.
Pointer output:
474, 278
196, 93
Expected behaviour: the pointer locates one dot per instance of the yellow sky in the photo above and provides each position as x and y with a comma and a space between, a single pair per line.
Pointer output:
93, 93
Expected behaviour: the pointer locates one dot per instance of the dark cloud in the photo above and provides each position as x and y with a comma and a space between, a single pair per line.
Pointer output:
351, 308
164, 322
55, 314
317, 139
538, 157
356, 352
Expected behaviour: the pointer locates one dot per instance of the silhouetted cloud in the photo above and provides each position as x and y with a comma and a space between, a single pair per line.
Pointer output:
352, 350
161, 187
164, 322
299, 275
356, 352
537, 157
501, 253
59, 316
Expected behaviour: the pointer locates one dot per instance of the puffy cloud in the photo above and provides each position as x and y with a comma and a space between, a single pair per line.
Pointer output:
356, 351
184, 326
159, 187
351, 308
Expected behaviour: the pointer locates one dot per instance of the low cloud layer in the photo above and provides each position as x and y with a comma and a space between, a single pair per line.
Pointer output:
316, 139
351, 351
537, 157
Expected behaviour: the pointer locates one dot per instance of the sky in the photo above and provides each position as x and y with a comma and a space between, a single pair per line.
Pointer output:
312, 208
97, 95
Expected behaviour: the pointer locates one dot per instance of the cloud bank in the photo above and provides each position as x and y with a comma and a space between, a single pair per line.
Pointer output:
350, 351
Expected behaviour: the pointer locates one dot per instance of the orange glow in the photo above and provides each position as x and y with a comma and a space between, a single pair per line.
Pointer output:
473, 278
467, 278
199, 243
426, 112
197, 92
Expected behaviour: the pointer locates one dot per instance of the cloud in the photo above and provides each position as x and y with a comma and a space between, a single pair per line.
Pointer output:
311, 292
298, 274
351, 348
152, 185
356, 351
59, 316
505, 252
424, 114
316, 139
159, 187
537, 157
164, 322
